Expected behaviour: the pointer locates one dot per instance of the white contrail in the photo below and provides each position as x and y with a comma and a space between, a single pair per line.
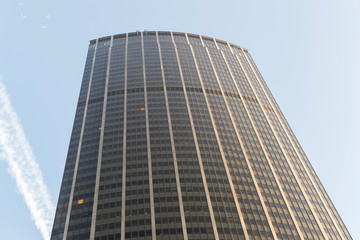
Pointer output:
15, 149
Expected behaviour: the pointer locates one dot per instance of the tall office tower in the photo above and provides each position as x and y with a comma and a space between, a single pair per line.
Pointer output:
177, 136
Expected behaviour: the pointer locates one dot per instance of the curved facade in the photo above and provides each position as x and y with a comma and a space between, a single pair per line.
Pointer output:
177, 136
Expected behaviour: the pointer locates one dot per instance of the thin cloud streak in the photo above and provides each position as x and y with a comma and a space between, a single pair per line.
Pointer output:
15, 149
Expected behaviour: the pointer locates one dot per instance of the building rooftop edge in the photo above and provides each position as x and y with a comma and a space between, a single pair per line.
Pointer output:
121, 35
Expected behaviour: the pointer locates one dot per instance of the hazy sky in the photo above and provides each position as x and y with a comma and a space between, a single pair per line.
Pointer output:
308, 53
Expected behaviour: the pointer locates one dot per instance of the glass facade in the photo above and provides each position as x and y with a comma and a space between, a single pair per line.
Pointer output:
177, 136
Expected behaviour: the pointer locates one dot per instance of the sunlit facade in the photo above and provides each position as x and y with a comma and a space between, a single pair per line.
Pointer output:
177, 136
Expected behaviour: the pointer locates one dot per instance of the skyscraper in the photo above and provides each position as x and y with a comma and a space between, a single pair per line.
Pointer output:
177, 136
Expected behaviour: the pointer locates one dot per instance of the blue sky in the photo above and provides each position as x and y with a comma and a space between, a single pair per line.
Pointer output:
308, 53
